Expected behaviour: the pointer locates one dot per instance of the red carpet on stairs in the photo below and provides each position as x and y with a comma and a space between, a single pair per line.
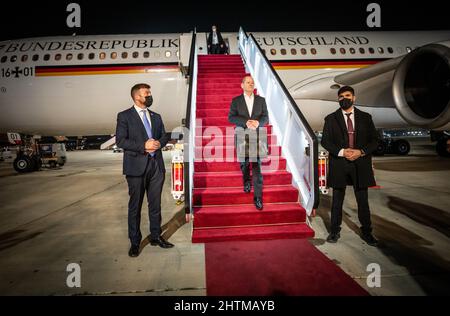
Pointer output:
291, 267
222, 211
250, 252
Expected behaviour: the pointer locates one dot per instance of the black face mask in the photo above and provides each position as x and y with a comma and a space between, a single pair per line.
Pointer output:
345, 103
148, 101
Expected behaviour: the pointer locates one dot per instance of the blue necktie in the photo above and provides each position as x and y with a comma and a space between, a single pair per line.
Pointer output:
147, 127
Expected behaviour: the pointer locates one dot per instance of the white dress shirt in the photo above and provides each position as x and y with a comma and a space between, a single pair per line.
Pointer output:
147, 113
352, 117
215, 38
249, 100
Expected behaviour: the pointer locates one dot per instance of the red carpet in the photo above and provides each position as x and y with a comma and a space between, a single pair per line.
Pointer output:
250, 252
222, 210
274, 268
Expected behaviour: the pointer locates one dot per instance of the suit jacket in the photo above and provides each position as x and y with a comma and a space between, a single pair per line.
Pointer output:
239, 115
131, 137
335, 137
219, 37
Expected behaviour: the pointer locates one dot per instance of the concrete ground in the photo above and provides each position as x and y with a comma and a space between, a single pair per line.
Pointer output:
78, 214
411, 219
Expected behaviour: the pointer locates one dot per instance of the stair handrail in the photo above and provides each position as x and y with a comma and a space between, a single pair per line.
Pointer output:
189, 122
287, 121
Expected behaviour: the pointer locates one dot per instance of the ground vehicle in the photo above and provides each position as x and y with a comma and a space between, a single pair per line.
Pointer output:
53, 154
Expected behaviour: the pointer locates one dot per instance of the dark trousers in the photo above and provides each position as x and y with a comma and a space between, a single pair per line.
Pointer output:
362, 200
151, 182
256, 173
215, 49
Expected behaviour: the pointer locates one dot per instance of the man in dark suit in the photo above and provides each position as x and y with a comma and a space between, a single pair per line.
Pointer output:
249, 111
350, 137
141, 134
216, 44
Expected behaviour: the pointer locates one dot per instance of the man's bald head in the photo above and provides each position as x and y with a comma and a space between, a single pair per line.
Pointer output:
248, 85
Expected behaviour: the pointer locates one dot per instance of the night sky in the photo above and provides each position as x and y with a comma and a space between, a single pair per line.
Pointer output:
48, 18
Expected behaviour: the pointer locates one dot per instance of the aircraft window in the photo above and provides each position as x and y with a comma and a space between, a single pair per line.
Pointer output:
371, 50
13, 58
390, 50
313, 51
352, 50
342, 50
400, 50
157, 54
333, 50
80, 56
381, 50
35, 57
303, 51
47, 57
362, 50
102, 55
4, 58
146, 54
273, 51
178, 53
24, 58
58, 57
168, 53
69, 56
283, 51
124, 55
293, 51
264, 51
408, 49
113, 55
91, 56
135, 54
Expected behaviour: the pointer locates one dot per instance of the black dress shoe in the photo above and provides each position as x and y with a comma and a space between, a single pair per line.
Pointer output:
333, 237
258, 203
134, 251
161, 242
247, 187
370, 240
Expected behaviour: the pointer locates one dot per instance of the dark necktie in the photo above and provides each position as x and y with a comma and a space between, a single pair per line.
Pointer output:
351, 132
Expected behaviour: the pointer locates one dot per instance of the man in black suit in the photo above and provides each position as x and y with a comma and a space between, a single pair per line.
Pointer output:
249, 111
141, 134
350, 137
216, 44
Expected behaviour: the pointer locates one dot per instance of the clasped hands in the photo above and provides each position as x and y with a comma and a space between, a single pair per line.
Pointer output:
152, 145
352, 154
252, 124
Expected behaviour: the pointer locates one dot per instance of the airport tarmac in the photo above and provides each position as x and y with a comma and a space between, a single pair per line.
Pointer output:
78, 214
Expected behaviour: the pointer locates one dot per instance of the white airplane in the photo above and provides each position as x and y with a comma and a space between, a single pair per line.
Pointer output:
76, 85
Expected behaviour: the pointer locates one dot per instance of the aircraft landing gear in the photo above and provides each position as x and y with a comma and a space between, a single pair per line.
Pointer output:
443, 142
389, 146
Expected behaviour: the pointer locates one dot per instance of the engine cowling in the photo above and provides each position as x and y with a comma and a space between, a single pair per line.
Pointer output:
416, 84
421, 86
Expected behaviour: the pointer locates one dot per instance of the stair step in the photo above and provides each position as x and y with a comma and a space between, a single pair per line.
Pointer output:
212, 92
210, 152
234, 179
268, 164
214, 112
289, 231
207, 105
226, 196
212, 129
209, 76
215, 121
243, 215
221, 139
